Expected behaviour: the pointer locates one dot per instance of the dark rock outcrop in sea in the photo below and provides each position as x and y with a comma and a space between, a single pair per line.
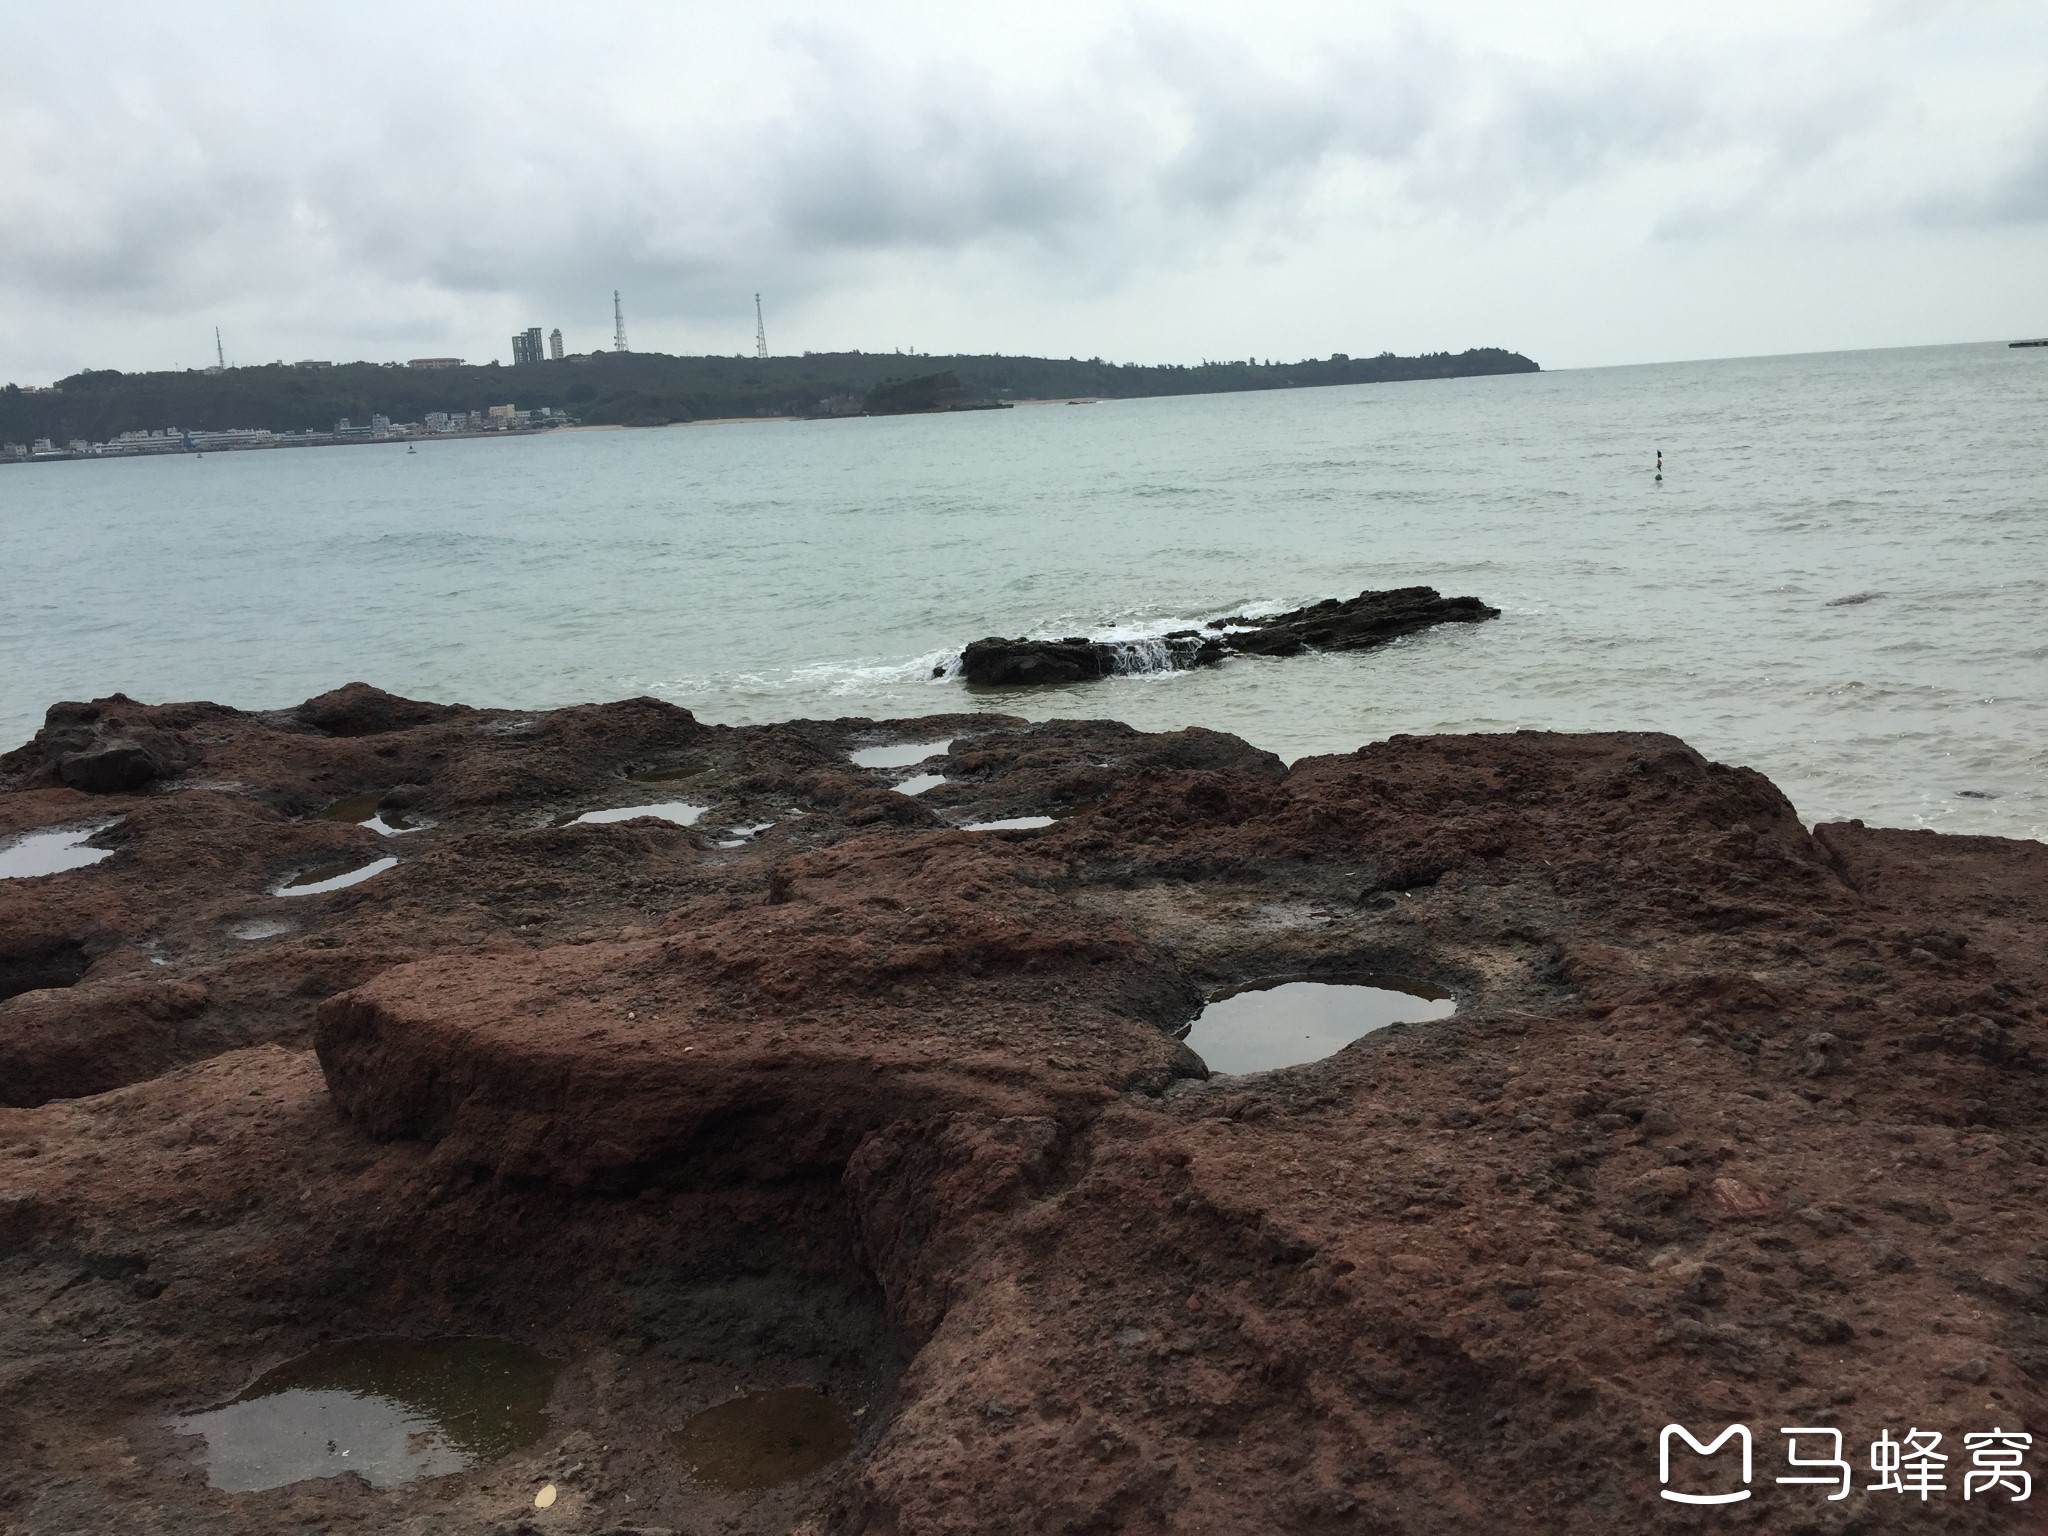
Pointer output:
1735, 1123
1346, 624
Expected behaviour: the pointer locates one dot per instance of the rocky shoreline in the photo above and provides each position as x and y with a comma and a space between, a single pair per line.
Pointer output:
1735, 1122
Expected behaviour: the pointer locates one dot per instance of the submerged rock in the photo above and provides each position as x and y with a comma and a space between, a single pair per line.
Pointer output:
1013, 663
1351, 624
1335, 624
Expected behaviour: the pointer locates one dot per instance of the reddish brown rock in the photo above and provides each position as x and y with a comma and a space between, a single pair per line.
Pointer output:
68, 1042
899, 981
1735, 1123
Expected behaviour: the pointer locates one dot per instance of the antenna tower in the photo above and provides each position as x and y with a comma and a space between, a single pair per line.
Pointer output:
218, 355
760, 330
618, 324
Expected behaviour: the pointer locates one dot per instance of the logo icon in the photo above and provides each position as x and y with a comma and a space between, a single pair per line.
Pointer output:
1733, 1431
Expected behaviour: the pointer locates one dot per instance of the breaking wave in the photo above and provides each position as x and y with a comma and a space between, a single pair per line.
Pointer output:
1156, 654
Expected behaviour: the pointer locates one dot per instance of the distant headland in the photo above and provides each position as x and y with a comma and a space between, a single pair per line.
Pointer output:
295, 404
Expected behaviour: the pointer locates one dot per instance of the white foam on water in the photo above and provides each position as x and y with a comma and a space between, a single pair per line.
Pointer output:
904, 755
858, 676
681, 812
868, 676
340, 882
51, 853
1155, 656
849, 679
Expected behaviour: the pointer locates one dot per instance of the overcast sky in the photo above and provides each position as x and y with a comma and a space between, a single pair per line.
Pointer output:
1587, 183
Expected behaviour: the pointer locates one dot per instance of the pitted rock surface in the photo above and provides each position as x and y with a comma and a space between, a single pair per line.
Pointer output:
1736, 1122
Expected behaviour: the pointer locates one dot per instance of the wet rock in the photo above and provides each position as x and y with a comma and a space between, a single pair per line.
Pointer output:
109, 746
1821, 1328
357, 709
1733, 1200
110, 767
70, 712
871, 807
35, 961
1660, 1121
1021, 663
858, 1092
85, 1039
1352, 624
1348, 624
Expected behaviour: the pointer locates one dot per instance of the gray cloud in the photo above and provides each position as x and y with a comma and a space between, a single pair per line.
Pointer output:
2014, 192
395, 179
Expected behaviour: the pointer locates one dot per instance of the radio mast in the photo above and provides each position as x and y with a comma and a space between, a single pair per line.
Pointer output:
219, 356
618, 324
760, 330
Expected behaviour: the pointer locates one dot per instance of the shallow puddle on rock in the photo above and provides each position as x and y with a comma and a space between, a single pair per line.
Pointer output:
918, 783
680, 812
1255, 1029
741, 836
362, 810
352, 808
393, 1410
764, 1439
899, 756
263, 928
1008, 824
315, 881
50, 853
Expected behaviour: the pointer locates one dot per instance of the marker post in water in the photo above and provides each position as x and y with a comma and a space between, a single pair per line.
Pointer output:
1660, 463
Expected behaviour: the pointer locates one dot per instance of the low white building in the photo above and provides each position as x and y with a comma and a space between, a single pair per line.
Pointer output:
233, 437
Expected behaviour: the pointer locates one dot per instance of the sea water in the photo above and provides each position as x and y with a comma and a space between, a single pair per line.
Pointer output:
1839, 581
